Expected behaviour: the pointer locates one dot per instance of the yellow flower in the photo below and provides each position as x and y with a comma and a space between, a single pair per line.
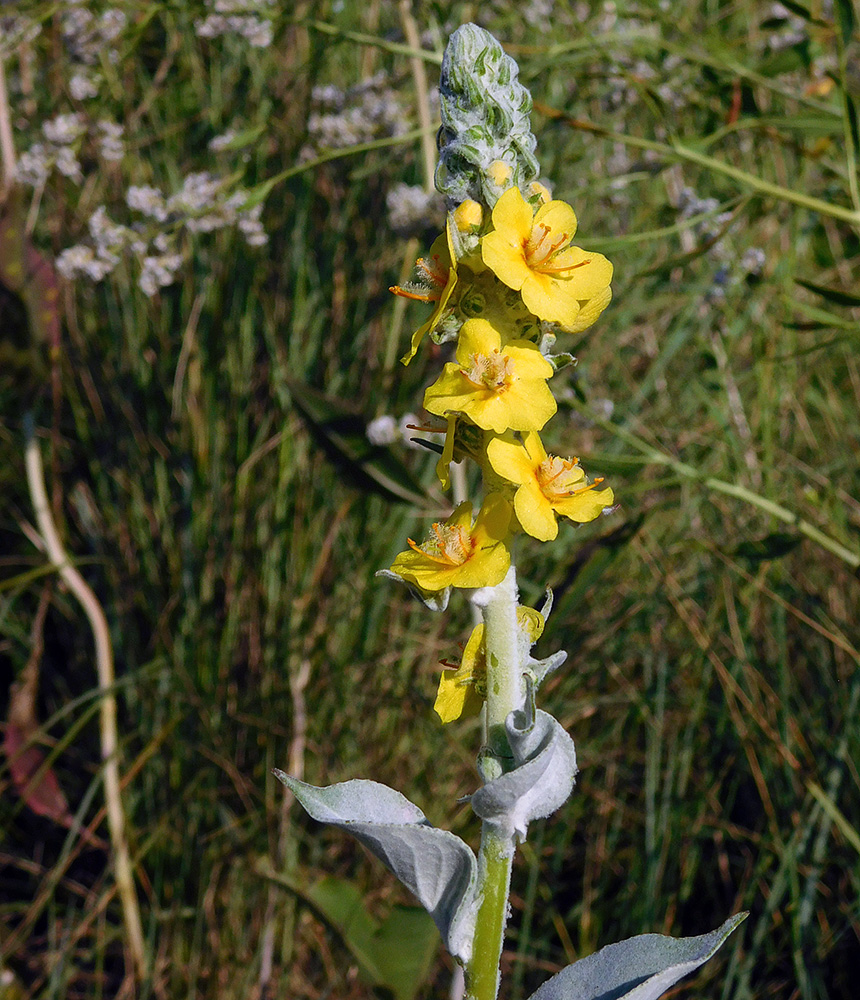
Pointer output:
531, 253
498, 388
462, 691
547, 485
461, 554
437, 278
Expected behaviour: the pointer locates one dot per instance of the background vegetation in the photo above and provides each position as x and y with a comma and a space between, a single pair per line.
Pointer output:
227, 520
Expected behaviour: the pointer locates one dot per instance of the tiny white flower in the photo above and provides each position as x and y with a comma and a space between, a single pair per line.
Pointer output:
68, 165
221, 142
110, 141
382, 430
258, 33
64, 129
147, 200
34, 165
82, 87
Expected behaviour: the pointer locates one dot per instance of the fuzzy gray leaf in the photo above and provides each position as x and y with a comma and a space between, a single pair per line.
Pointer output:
540, 781
640, 968
435, 865
432, 600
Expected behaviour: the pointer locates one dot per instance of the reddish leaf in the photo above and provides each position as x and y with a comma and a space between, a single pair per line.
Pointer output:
29, 275
41, 792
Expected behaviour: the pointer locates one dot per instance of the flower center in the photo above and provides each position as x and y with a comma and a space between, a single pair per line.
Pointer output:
560, 478
491, 371
451, 545
541, 249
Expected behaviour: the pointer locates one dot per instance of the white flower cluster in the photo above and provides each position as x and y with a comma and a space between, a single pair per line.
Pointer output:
249, 19
110, 140
82, 86
64, 135
109, 242
412, 209
202, 205
370, 110
88, 38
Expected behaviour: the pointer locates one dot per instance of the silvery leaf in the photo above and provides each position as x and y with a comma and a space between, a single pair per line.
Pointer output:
546, 610
541, 669
640, 968
433, 600
540, 780
435, 865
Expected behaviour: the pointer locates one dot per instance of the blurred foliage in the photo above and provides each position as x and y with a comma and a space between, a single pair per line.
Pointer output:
712, 687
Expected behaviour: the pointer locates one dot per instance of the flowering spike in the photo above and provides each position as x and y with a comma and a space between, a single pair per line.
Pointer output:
485, 143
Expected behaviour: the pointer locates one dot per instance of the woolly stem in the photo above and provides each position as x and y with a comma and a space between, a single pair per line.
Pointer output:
495, 858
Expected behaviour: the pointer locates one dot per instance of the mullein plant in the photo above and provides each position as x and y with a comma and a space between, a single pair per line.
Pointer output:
504, 280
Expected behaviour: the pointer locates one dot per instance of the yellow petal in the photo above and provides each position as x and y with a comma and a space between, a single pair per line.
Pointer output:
589, 311
505, 259
585, 506
534, 448
528, 405
588, 272
548, 298
477, 336
534, 512
461, 691
493, 519
510, 460
456, 697
444, 463
435, 316
558, 217
513, 215
529, 361
450, 392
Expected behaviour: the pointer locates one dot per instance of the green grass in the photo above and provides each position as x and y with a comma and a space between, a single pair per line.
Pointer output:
712, 686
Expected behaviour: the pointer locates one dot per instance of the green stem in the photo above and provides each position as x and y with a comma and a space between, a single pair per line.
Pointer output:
495, 858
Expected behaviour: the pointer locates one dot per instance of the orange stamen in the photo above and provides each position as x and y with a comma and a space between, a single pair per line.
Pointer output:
549, 269
417, 296
440, 558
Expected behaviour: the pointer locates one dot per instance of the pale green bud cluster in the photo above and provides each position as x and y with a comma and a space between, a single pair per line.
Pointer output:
485, 143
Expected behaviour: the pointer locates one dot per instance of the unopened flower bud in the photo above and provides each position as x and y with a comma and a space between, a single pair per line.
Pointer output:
468, 216
538, 193
499, 173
